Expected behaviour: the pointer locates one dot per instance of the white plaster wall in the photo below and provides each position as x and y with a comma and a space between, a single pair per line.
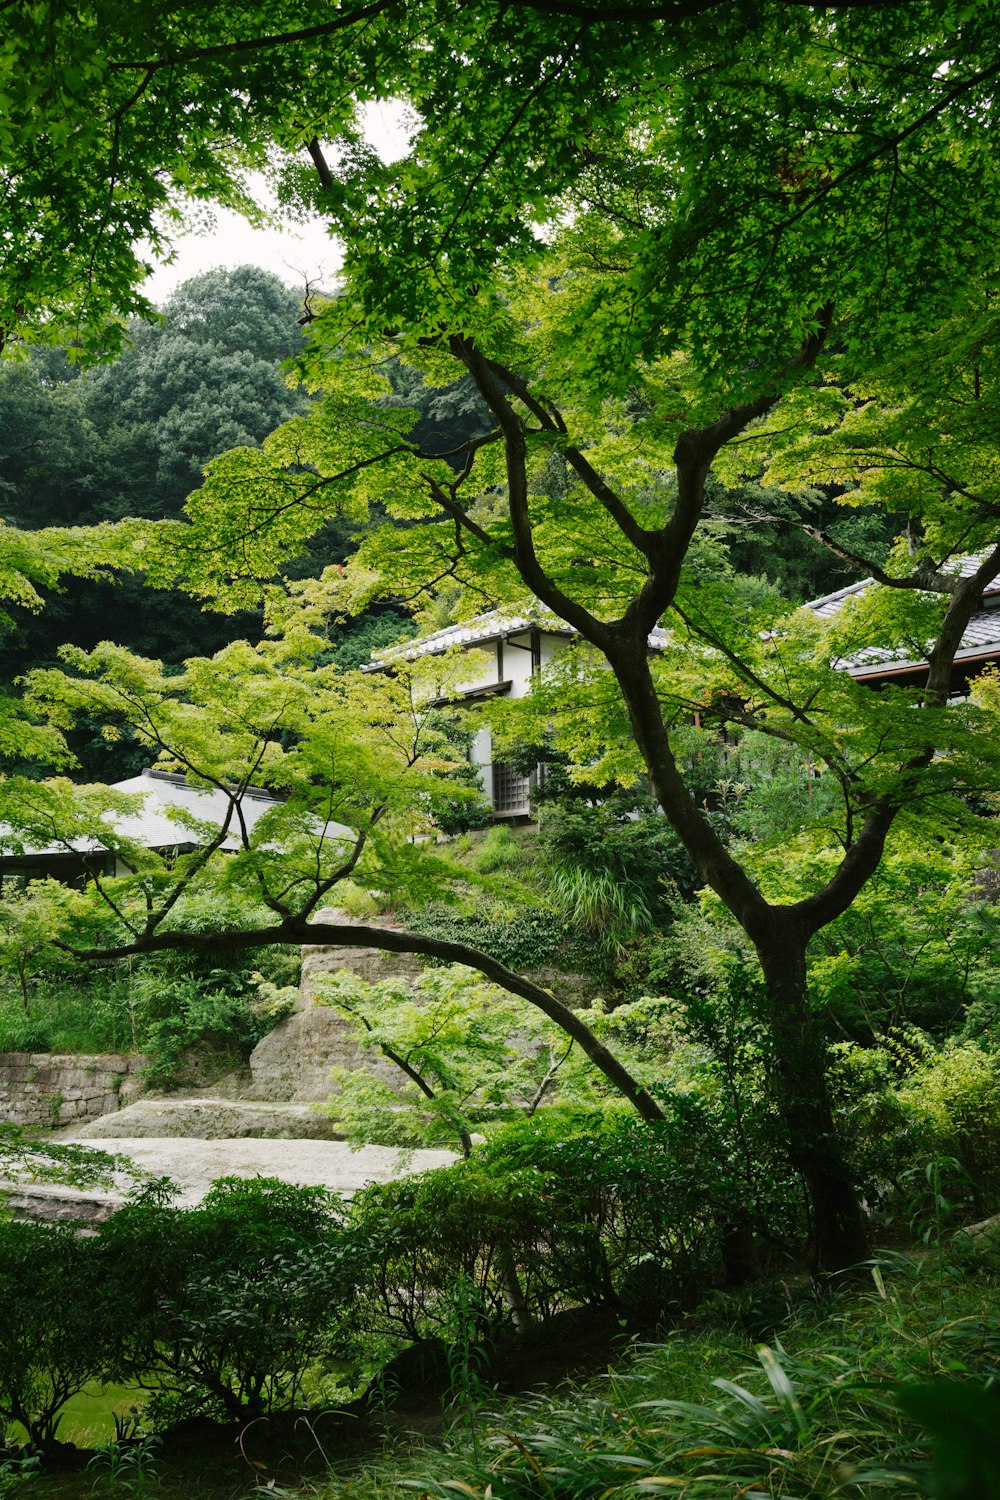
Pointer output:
517, 670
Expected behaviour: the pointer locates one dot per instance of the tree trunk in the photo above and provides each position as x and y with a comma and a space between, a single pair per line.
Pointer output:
839, 1228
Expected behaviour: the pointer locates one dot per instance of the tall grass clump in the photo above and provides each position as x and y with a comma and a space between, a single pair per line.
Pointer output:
819, 1410
601, 902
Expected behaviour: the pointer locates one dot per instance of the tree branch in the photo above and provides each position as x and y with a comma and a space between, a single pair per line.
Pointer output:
861, 860
694, 453
551, 420
391, 940
523, 555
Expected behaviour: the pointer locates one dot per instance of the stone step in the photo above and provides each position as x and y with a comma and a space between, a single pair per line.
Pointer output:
206, 1119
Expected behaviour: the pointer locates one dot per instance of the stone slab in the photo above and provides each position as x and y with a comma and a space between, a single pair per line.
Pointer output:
195, 1164
206, 1117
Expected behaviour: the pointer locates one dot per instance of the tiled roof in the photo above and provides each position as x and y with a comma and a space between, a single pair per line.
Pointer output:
831, 604
494, 626
155, 828
980, 640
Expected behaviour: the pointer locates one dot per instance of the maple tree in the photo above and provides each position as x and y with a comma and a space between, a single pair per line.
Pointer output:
662, 241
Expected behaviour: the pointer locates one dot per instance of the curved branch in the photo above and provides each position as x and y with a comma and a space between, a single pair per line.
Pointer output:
523, 555
551, 421
392, 940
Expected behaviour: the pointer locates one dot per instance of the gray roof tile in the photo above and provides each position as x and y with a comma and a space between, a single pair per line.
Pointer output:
497, 624
981, 637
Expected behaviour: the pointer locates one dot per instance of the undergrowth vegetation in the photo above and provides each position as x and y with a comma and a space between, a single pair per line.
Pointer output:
161, 1009
816, 1399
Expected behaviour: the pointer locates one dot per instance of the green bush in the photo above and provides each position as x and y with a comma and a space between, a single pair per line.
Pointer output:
221, 1310
544, 1216
635, 1210
159, 1008
954, 1098
458, 1226
626, 843
52, 1324
226, 1307
159, 1005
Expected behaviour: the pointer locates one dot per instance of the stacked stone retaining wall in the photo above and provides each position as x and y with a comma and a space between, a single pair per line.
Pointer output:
51, 1089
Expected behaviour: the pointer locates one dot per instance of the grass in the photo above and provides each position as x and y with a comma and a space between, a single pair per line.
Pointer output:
601, 903
503, 849
89, 1418
770, 1395
809, 1411
66, 1015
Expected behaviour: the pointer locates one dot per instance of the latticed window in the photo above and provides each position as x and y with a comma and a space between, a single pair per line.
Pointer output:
511, 792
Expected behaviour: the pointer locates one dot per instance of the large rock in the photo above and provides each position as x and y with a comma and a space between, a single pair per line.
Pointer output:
210, 1119
52, 1203
372, 964
294, 1061
195, 1164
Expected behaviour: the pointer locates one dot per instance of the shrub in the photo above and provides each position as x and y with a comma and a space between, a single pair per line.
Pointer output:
160, 1005
882, 1138
457, 1226
624, 1214
955, 1098
624, 842
158, 1008
634, 1210
51, 1325
229, 1305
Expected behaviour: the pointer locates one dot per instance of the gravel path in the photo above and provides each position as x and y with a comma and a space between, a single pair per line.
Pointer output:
194, 1164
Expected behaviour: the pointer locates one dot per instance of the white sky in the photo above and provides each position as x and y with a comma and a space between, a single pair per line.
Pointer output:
299, 253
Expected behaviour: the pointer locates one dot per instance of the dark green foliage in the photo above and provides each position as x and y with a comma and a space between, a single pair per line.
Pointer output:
458, 1224
53, 1323
131, 439
447, 415
550, 1214
226, 1306
221, 1309
626, 838
636, 1211
522, 939
762, 528
964, 1423
357, 642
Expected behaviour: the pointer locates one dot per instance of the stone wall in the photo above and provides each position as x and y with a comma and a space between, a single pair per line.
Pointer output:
52, 1089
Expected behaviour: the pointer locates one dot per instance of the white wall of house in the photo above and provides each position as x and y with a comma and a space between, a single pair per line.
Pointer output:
509, 664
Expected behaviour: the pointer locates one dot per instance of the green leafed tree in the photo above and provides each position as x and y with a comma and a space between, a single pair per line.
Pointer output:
661, 240
682, 317
358, 764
